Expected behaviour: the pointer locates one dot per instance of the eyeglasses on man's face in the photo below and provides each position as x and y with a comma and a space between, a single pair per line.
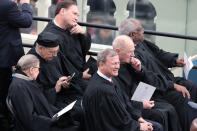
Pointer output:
140, 29
36, 67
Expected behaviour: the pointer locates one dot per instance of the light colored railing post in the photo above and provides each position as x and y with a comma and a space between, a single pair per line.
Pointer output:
43, 6
83, 10
121, 11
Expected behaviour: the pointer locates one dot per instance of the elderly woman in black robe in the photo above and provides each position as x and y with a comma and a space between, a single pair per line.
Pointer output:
31, 107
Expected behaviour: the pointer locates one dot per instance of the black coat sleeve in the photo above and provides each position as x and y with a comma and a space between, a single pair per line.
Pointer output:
50, 94
157, 80
24, 106
116, 116
85, 41
167, 58
17, 18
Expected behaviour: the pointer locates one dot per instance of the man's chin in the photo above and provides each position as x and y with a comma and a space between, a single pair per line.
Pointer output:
115, 74
49, 59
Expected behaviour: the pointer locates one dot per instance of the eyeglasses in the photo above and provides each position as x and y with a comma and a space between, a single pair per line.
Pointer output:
140, 30
36, 67
53, 52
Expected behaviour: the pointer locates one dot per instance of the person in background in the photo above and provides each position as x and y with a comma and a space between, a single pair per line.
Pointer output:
11, 19
103, 36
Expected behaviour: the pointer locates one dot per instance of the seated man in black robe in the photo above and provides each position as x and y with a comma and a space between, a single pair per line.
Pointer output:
47, 46
129, 77
31, 107
177, 91
74, 40
106, 107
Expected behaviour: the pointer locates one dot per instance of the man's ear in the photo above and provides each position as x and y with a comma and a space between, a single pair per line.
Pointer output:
101, 64
117, 50
132, 34
31, 70
39, 48
62, 11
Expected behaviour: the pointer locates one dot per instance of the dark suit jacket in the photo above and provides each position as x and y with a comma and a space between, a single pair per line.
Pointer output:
11, 19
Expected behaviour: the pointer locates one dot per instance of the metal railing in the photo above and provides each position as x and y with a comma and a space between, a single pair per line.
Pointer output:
116, 28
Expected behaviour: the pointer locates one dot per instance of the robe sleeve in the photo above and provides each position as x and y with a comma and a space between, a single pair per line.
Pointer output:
155, 79
133, 107
50, 94
167, 58
85, 41
115, 115
22, 102
138, 109
152, 78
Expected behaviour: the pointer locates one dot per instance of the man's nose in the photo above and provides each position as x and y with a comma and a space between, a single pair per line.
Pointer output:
55, 54
132, 54
117, 66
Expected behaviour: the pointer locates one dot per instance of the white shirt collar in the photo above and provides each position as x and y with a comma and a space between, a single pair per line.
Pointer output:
56, 24
103, 76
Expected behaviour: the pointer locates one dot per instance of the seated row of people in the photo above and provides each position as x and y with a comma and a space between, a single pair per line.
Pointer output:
61, 49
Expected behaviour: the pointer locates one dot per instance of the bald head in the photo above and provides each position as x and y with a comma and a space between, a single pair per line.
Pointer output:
122, 42
124, 47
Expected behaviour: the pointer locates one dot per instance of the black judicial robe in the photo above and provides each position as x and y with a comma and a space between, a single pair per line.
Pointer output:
50, 72
107, 109
158, 61
162, 112
32, 108
73, 48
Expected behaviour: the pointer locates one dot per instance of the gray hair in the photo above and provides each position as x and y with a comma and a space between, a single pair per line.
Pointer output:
102, 55
119, 41
27, 61
127, 26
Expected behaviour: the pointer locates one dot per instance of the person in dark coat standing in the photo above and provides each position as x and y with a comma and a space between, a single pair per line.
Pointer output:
31, 108
11, 19
74, 40
179, 90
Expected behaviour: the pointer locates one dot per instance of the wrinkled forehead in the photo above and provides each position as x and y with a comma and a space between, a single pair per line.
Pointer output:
112, 58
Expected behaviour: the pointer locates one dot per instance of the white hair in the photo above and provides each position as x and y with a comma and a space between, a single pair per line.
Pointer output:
127, 26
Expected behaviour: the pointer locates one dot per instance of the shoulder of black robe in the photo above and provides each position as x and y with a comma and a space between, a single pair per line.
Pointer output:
78, 45
47, 83
154, 67
73, 49
50, 72
167, 58
156, 80
31, 107
134, 108
127, 76
104, 110
127, 79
